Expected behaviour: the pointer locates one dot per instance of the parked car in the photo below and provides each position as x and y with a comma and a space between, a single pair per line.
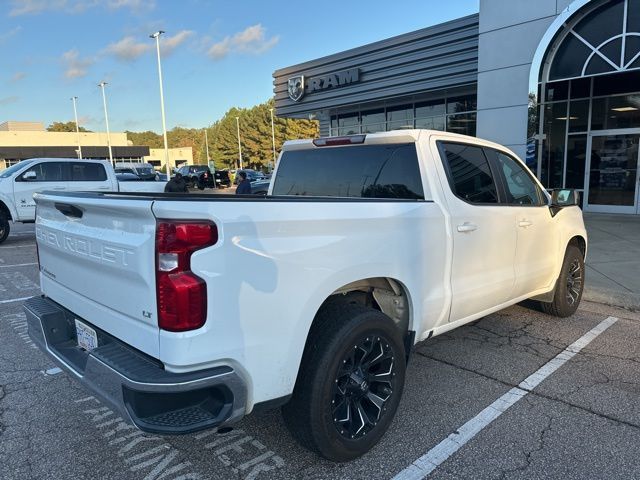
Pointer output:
311, 297
144, 171
260, 187
252, 175
21, 181
222, 178
197, 176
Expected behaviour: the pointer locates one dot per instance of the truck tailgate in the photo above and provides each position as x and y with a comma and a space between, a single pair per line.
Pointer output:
97, 259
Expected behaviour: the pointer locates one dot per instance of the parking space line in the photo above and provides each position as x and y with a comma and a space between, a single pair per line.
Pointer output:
15, 300
19, 265
18, 246
427, 463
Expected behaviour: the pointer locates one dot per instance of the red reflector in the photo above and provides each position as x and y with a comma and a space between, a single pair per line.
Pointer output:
181, 295
333, 141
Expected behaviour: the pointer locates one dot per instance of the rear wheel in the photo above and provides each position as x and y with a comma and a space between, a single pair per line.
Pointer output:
4, 227
350, 382
569, 285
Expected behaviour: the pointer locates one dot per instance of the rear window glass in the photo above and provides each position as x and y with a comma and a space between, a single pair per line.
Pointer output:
87, 172
365, 171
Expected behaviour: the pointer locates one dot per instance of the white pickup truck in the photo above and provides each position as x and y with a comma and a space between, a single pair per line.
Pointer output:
19, 182
185, 313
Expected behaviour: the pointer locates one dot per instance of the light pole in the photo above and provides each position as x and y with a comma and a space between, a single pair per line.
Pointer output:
164, 123
106, 121
273, 140
239, 146
75, 114
206, 145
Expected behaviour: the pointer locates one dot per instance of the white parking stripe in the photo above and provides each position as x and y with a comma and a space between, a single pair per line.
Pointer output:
19, 246
19, 265
15, 300
427, 463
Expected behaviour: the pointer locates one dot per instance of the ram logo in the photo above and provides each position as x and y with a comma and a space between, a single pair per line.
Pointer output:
295, 87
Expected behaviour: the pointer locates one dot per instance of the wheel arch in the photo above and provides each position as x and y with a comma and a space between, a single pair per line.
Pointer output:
580, 242
6, 210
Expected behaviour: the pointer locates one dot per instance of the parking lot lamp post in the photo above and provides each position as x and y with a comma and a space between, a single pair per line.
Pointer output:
273, 141
239, 146
164, 123
75, 114
106, 121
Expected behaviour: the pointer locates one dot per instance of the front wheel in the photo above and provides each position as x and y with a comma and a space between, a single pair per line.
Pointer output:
349, 384
569, 286
4, 227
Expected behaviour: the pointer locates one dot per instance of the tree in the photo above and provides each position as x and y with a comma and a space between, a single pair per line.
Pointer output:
65, 127
255, 135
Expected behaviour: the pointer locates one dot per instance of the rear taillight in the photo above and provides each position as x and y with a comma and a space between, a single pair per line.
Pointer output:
181, 295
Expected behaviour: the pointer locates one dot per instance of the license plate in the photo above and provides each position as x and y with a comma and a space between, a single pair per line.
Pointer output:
87, 336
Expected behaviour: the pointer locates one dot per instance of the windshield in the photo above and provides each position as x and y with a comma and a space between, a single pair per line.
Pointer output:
13, 168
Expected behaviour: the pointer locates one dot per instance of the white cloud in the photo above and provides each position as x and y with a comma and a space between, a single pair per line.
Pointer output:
7, 35
75, 66
169, 44
8, 100
34, 7
251, 40
127, 49
16, 77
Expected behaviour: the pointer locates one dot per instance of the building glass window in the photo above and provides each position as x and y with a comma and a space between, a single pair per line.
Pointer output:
430, 109
578, 115
431, 123
464, 123
581, 88
400, 117
467, 103
555, 129
348, 124
576, 161
616, 112
373, 121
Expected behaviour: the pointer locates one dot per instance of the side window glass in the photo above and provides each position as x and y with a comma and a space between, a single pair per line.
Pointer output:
47, 172
469, 174
87, 172
520, 187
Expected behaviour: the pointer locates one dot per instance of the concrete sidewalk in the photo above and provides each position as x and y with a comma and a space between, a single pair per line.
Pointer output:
613, 260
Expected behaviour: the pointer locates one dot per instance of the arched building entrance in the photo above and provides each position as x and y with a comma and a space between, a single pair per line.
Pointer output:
587, 115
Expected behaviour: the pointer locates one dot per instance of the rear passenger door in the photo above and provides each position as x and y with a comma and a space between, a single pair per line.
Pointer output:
537, 238
89, 177
483, 231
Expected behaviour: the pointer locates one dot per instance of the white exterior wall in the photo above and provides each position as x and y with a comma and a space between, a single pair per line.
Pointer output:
510, 32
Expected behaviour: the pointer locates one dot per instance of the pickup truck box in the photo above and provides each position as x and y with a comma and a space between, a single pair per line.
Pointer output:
19, 182
189, 312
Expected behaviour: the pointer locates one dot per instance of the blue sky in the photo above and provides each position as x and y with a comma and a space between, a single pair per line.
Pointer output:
215, 54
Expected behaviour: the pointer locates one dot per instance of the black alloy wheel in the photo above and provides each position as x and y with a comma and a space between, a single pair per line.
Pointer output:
574, 282
364, 384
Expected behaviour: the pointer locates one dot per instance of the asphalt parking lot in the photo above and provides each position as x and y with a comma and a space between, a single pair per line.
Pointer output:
517, 394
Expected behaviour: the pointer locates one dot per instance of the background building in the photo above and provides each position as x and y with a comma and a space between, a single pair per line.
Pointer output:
177, 157
21, 140
557, 81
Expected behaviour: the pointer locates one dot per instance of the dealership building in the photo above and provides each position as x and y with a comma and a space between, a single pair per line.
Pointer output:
22, 140
557, 81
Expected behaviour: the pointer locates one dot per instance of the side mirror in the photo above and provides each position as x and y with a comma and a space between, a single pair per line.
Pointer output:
565, 197
30, 175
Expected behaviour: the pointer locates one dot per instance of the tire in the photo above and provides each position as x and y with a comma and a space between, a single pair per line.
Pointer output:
5, 228
569, 285
341, 372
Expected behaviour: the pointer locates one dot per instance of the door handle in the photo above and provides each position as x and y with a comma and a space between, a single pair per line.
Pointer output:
104, 188
467, 227
525, 223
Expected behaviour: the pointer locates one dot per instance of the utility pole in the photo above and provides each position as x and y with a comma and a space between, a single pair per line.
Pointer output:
75, 114
164, 123
273, 140
106, 121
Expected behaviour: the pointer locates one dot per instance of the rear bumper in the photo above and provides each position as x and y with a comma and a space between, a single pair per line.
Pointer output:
133, 384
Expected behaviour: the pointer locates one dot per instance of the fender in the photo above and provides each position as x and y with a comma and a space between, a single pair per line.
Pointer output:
8, 202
